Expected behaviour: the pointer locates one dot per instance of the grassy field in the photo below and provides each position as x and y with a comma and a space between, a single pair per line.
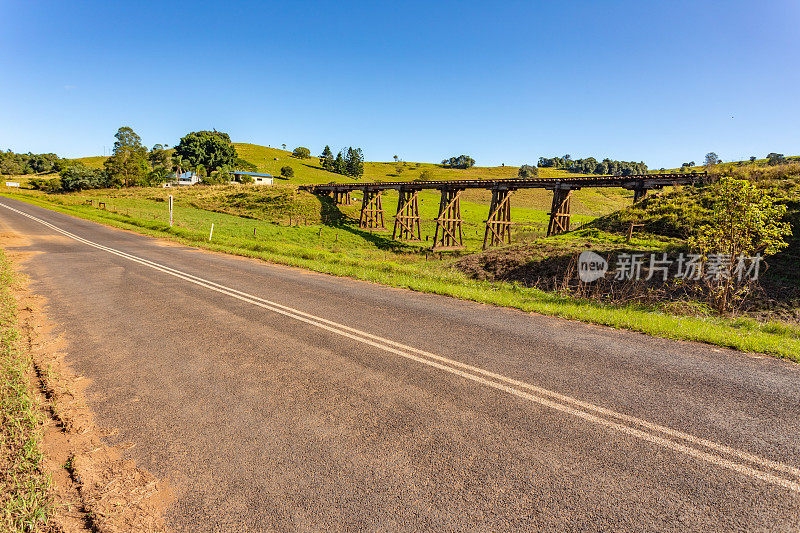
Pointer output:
586, 202
345, 250
24, 486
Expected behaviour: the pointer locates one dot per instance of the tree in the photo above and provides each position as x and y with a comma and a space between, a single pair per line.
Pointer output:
158, 175
354, 162
220, 176
283, 146
711, 159
78, 177
461, 161
301, 152
43, 163
745, 220
396, 158
340, 165
212, 149
127, 165
326, 159
287, 172
775, 159
527, 172
159, 157
752, 159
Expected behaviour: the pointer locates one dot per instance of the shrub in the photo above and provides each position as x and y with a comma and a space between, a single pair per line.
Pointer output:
425, 175
78, 177
287, 172
46, 185
745, 220
461, 161
527, 172
218, 177
301, 152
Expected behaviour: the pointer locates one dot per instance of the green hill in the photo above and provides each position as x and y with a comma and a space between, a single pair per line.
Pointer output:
587, 203
95, 161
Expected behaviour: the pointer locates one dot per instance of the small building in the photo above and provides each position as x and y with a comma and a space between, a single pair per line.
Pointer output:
184, 178
258, 178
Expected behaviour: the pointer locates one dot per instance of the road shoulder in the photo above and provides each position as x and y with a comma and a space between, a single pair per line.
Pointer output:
92, 486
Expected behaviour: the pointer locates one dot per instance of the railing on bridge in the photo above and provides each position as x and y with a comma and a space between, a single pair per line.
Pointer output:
449, 234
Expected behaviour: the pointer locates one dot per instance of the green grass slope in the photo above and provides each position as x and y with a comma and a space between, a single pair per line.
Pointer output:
529, 206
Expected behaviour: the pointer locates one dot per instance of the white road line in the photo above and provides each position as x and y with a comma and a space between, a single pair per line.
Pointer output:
621, 422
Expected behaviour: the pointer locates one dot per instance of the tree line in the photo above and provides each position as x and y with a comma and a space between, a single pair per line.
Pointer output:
210, 154
348, 162
590, 165
19, 164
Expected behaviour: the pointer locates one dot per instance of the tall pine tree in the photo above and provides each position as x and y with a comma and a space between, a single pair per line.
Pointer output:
326, 159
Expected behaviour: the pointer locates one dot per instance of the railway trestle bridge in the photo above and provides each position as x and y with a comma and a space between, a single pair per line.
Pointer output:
449, 235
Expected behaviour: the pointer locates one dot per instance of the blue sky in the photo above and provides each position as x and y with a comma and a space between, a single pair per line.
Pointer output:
663, 82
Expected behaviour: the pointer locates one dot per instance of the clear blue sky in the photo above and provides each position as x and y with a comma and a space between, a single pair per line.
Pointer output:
664, 82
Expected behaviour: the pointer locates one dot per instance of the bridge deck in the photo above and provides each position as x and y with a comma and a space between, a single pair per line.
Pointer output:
449, 234
639, 181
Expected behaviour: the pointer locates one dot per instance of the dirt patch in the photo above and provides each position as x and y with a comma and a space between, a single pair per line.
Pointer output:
94, 486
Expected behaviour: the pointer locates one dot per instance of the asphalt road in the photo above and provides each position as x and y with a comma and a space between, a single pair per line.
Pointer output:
274, 398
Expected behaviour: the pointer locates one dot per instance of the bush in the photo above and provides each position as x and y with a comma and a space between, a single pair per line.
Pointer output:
425, 175
287, 172
301, 152
78, 177
462, 161
527, 172
745, 220
46, 185
220, 176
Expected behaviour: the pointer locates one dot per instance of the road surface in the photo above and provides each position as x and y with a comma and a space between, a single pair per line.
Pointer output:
275, 398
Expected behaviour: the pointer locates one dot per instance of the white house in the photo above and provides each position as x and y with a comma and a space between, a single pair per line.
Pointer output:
258, 178
185, 178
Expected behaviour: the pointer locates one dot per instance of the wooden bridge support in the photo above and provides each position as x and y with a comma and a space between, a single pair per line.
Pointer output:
639, 193
371, 211
559, 212
498, 225
342, 198
448, 234
406, 222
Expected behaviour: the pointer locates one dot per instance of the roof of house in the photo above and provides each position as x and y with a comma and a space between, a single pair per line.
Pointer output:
254, 174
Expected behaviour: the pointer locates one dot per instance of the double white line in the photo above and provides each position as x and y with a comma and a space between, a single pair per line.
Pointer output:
766, 470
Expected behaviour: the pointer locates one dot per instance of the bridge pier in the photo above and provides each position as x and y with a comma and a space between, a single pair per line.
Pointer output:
342, 198
371, 211
448, 234
406, 222
498, 225
559, 212
639, 193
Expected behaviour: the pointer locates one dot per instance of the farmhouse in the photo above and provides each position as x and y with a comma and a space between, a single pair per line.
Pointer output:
185, 178
258, 178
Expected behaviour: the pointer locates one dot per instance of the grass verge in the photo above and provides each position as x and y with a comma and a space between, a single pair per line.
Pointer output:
286, 245
25, 502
